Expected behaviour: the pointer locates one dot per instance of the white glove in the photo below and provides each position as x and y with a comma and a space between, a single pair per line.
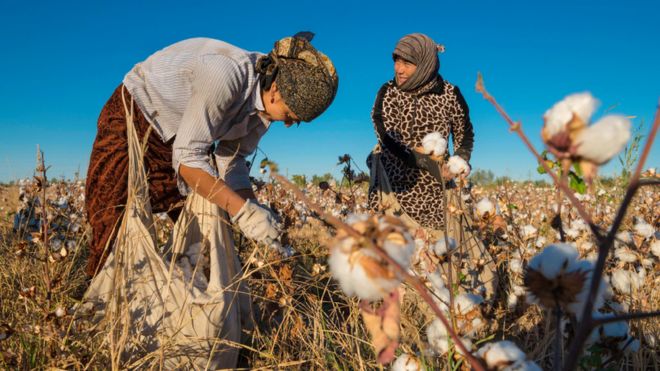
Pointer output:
257, 222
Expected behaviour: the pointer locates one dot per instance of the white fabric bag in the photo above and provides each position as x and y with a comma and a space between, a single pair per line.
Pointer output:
155, 313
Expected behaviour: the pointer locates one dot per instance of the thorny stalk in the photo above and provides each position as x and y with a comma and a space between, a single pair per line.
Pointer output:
588, 323
43, 182
414, 282
517, 128
558, 337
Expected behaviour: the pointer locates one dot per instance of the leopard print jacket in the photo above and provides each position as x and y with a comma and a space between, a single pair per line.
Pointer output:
407, 117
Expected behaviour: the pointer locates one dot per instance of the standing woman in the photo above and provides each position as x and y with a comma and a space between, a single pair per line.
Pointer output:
186, 98
417, 102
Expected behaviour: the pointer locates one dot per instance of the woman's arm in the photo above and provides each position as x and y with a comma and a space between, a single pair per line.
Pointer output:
461, 129
213, 189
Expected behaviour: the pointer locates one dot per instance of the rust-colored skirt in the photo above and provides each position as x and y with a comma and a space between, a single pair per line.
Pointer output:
106, 189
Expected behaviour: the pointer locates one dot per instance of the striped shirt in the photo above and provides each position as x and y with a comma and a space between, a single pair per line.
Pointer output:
199, 91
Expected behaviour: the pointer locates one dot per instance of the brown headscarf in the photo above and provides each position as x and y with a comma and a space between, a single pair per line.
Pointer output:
305, 77
423, 52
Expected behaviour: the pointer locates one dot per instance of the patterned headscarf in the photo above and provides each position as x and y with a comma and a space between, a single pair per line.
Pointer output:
423, 52
305, 77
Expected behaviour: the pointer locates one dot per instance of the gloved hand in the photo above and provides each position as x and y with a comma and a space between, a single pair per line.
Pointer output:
258, 222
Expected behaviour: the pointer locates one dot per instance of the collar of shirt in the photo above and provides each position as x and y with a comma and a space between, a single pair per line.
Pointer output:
258, 105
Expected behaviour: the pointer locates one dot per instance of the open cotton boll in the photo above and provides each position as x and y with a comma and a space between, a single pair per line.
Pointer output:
457, 165
438, 338
625, 255
500, 354
485, 208
644, 229
554, 260
406, 362
558, 116
434, 144
625, 281
655, 248
436, 279
528, 232
540, 242
359, 269
465, 303
436, 329
516, 266
603, 140
441, 247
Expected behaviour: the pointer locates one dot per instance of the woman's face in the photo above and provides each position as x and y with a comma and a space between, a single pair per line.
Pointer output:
276, 109
403, 70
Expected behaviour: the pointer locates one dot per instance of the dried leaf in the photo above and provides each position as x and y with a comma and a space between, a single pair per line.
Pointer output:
384, 327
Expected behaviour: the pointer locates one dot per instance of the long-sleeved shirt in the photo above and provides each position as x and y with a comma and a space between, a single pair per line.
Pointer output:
200, 91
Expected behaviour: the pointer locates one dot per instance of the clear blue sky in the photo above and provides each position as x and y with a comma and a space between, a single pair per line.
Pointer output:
61, 60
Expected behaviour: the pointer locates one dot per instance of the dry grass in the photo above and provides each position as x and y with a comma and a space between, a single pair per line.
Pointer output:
303, 321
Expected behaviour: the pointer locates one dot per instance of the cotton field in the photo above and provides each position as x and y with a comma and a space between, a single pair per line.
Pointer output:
308, 294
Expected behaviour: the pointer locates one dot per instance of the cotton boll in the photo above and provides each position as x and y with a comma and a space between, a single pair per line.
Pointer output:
406, 362
516, 266
572, 232
60, 312
436, 334
586, 246
465, 303
511, 301
434, 144
540, 242
485, 207
644, 229
554, 260
655, 248
603, 140
528, 232
624, 281
557, 118
438, 338
352, 277
457, 165
625, 255
500, 354
441, 247
436, 280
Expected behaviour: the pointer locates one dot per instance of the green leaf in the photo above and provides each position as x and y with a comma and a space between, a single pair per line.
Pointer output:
577, 169
576, 183
540, 169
